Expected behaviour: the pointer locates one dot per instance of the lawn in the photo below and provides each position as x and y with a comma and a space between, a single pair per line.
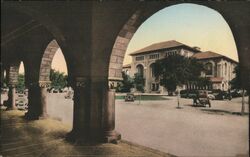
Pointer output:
145, 97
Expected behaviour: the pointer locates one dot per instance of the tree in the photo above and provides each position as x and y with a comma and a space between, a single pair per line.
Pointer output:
139, 82
20, 83
126, 84
58, 79
236, 84
176, 70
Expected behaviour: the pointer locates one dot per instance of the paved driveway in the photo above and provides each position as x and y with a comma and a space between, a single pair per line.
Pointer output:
183, 132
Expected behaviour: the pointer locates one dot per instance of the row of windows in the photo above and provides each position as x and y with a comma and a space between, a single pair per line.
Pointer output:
209, 69
139, 58
171, 53
154, 56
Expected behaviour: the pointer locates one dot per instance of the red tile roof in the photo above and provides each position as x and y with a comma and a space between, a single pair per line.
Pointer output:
162, 45
207, 54
210, 54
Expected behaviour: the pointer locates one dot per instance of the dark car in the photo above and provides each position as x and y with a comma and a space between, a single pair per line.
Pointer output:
183, 93
188, 93
221, 95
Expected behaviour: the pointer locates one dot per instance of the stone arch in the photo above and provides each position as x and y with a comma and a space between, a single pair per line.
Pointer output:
37, 19
45, 67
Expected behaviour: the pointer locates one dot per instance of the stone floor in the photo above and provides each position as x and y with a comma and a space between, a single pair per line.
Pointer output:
45, 138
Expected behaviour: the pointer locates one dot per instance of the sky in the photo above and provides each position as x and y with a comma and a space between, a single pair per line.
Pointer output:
190, 24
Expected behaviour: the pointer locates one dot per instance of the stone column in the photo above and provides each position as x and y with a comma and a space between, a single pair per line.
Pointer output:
43, 98
11, 102
37, 107
2, 77
33, 98
110, 135
81, 112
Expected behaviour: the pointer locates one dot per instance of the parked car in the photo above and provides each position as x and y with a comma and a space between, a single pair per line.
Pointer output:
188, 93
211, 96
21, 105
129, 97
183, 93
221, 95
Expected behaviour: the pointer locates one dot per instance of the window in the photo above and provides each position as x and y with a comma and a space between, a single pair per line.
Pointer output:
140, 69
139, 58
154, 56
209, 68
171, 53
225, 69
152, 68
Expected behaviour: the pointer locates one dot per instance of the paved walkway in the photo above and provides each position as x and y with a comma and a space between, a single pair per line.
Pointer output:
45, 138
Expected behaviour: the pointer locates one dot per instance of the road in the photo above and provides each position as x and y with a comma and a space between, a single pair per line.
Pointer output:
183, 132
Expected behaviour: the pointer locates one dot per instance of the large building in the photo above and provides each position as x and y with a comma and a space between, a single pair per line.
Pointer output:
219, 68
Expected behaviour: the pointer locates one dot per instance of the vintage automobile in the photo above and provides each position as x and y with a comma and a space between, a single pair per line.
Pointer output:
22, 105
201, 98
129, 97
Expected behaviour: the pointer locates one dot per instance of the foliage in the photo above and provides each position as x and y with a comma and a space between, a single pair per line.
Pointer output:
58, 79
139, 82
236, 82
176, 70
126, 84
20, 84
203, 81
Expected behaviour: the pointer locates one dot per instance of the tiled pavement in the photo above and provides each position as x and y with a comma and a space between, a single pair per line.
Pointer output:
45, 138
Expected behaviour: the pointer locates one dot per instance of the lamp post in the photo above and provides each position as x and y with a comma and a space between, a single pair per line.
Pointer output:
178, 98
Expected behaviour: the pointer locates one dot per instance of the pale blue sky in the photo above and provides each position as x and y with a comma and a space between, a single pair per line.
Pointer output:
191, 24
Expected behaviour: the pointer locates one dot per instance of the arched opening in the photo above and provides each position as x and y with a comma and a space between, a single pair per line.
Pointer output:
184, 26
209, 68
54, 73
21, 90
140, 69
4, 89
152, 69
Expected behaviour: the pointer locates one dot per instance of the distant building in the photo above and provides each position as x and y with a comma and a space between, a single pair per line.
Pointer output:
219, 69
220, 73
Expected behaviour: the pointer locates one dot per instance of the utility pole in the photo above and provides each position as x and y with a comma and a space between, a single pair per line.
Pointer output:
178, 98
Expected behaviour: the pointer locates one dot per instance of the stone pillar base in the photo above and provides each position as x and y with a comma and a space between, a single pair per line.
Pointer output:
111, 137
11, 108
78, 137
44, 116
29, 116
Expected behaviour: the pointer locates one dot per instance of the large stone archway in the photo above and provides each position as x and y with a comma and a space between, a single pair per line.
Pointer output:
230, 12
93, 37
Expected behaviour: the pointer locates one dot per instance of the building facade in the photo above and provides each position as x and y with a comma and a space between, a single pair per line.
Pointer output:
220, 68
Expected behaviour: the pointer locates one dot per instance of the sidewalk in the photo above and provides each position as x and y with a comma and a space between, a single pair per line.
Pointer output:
46, 138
